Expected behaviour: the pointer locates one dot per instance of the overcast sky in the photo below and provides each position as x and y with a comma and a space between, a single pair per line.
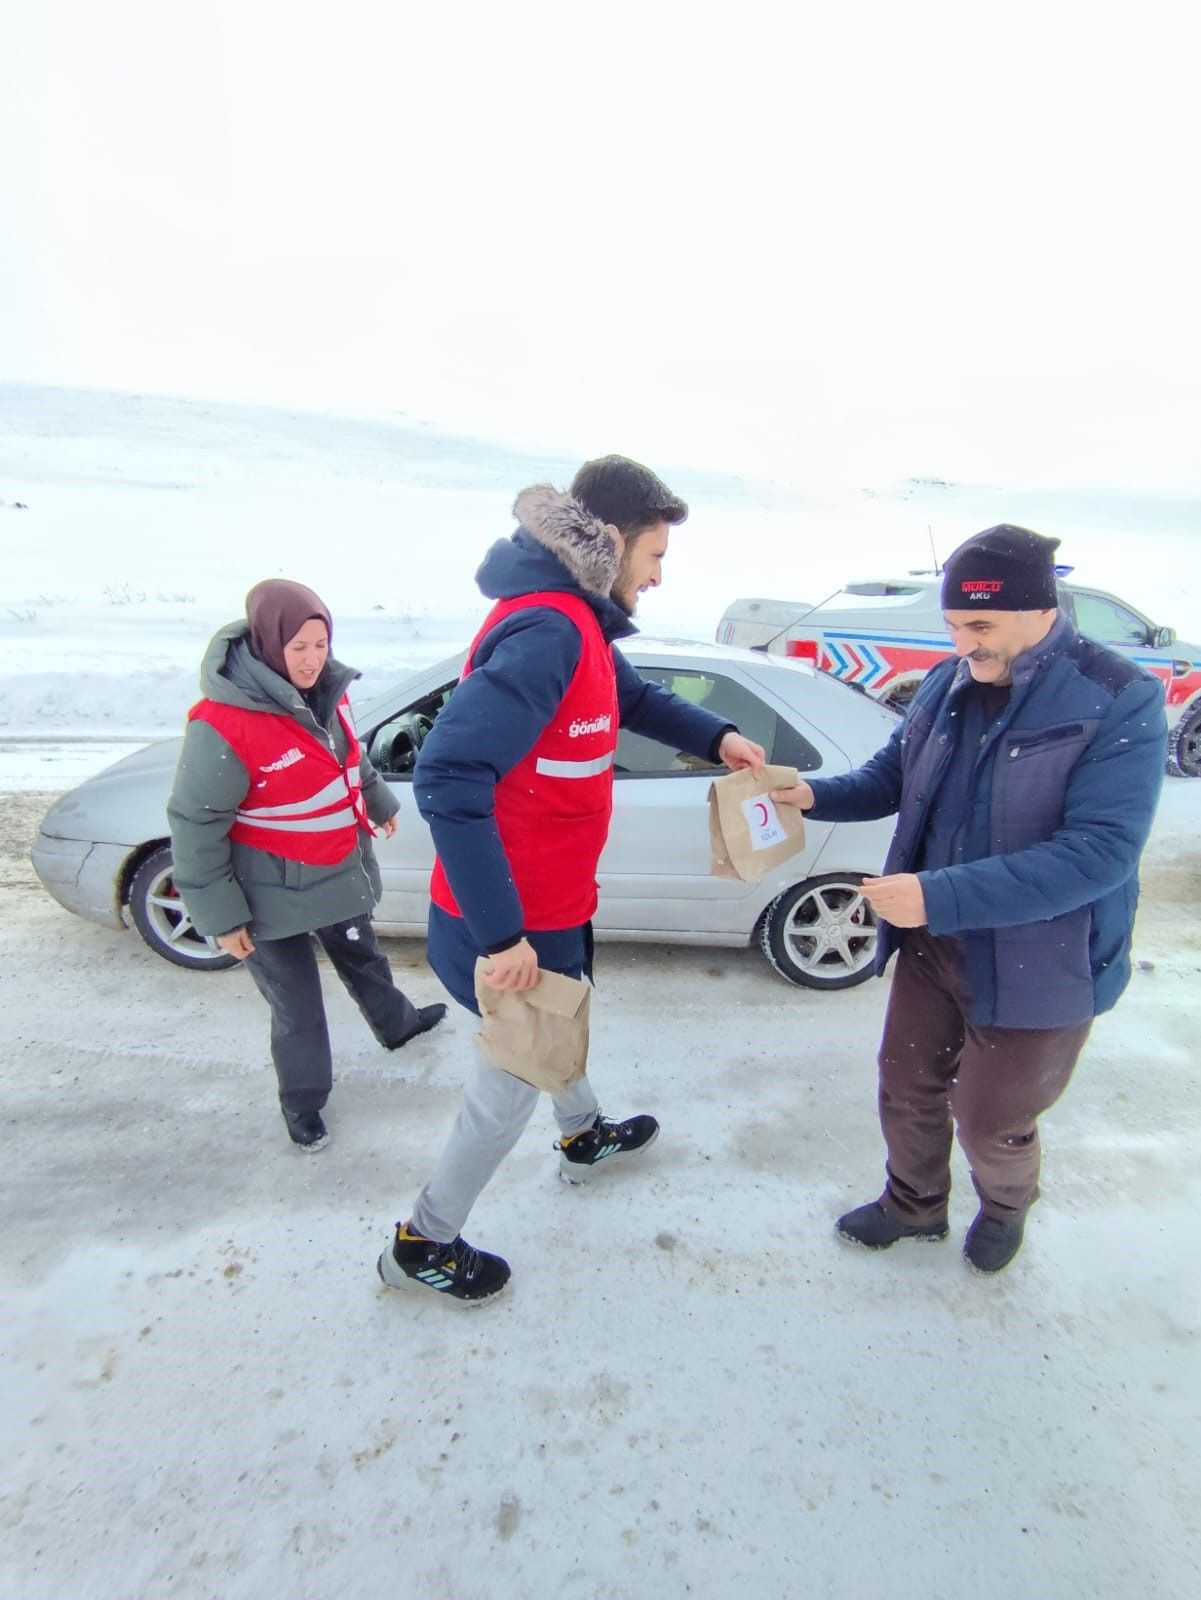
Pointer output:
819, 242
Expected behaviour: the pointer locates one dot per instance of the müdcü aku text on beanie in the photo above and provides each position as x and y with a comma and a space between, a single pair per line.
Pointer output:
1005, 568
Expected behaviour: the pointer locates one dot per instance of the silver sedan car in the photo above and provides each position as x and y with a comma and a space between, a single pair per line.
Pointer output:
104, 852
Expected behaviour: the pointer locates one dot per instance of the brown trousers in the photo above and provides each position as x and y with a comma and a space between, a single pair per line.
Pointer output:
936, 1064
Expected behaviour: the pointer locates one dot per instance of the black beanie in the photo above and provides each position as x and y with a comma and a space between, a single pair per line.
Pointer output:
1005, 568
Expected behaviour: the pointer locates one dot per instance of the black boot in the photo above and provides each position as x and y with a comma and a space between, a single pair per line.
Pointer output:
306, 1129
876, 1229
992, 1242
427, 1017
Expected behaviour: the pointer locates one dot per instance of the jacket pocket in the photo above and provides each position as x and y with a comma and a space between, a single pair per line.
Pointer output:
257, 868
1044, 974
305, 877
1032, 772
1033, 741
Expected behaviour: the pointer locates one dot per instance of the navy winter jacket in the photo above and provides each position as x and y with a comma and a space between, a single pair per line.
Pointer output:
1061, 797
494, 718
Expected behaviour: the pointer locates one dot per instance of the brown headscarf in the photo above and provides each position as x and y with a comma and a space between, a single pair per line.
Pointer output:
277, 610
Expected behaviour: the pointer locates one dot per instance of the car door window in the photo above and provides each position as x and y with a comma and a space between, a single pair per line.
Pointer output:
394, 744
640, 757
1107, 622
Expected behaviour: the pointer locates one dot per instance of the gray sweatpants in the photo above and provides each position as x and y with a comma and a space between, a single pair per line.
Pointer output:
496, 1107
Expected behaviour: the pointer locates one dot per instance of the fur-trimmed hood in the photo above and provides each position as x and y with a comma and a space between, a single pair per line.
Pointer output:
558, 548
583, 543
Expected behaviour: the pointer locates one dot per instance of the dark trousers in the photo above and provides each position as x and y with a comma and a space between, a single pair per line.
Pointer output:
285, 973
935, 1065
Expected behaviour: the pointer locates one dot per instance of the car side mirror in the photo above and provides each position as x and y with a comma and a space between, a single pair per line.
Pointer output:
1161, 638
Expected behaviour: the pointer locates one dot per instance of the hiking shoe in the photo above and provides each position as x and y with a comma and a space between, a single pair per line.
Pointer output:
306, 1129
875, 1229
453, 1269
992, 1242
427, 1017
581, 1152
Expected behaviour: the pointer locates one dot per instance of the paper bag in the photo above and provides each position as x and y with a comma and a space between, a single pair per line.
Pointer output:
748, 833
541, 1035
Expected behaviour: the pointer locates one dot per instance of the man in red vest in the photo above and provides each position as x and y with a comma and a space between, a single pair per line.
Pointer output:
516, 783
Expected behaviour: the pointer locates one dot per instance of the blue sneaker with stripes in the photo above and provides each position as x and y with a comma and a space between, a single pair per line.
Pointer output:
582, 1153
455, 1269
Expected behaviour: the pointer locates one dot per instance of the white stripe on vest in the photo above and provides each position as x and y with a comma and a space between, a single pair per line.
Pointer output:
299, 808
573, 769
346, 817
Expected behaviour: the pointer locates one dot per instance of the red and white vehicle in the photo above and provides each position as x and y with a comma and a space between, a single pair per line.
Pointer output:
885, 634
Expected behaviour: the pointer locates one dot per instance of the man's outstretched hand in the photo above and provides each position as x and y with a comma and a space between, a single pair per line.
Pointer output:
736, 753
800, 796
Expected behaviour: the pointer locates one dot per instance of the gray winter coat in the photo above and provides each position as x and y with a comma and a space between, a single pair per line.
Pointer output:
226, 885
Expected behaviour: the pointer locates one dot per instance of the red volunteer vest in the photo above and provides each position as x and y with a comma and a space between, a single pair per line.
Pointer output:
553, 808
303, 803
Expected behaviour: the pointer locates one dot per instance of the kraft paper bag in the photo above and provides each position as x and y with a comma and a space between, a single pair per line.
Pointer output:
541, 1035
748, 833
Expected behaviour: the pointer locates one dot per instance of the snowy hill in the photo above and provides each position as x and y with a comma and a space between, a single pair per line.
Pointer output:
132, 527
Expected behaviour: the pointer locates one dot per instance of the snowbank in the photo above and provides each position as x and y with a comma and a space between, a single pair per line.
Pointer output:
132, 528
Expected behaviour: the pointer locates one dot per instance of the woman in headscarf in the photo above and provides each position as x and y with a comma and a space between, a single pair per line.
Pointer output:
271, 823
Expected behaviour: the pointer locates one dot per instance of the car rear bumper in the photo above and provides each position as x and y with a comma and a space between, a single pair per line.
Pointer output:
82, 876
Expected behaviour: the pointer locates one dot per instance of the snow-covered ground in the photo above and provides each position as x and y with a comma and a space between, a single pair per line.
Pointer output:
690, 1388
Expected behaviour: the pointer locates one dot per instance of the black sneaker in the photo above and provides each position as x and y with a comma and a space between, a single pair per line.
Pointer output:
306, 1129
875, 1229
453, 1269
992, 1242
581, 1152
427, 1017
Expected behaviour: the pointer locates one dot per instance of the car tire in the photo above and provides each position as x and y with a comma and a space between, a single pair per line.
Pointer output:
1184, 746
160, 917
821, 934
